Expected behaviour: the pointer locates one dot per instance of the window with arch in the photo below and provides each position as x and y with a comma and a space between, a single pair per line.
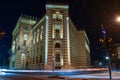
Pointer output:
26, 28
57, 57
38, 35
34, 37
57, 31
23, 56
41, 33
57, 45
25, 37
13, 46
57, 16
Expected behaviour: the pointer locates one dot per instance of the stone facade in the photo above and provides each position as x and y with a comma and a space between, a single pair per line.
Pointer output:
51, 42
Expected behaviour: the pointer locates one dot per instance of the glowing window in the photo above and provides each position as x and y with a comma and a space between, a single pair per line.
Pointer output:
41, 33
57, 16
38, 35
57, 31
23, 56
13, 46
25, 37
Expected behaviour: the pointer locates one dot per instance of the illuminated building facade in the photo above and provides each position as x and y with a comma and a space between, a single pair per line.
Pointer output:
52, 41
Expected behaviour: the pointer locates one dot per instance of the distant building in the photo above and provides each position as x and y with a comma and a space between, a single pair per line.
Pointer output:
52, 41
115, 52
115, 55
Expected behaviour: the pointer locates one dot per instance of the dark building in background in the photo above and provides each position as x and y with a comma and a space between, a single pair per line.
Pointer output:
115, 55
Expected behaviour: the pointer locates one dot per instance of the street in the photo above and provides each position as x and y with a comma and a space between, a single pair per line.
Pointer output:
36, 75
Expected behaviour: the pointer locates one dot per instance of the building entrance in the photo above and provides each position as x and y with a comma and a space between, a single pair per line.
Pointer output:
57, 61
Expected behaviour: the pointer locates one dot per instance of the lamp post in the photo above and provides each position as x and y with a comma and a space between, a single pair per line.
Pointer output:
53, 64
106, 43
109, 66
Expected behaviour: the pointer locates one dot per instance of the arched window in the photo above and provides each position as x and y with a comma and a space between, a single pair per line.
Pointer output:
57, 16
34, 37
26, 28
57, 57
23, 56
57, 45
41, 33
13, 46
38, 35
56, 33
25, 37
57, 30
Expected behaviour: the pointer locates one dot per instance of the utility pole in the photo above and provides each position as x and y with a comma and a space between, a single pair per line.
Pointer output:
106, 45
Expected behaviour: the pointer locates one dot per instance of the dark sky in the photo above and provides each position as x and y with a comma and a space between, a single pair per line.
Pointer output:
89, 14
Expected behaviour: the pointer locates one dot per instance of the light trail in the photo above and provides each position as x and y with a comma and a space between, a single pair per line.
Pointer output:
104, 75
63, 70
115, 75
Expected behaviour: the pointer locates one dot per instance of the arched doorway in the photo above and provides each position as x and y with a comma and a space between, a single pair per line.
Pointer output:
57, 61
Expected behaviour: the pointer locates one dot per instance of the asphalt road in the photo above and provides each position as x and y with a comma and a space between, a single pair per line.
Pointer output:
44, 75
29, 76
14, 76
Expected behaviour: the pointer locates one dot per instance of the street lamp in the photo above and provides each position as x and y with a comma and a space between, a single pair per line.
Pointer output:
106, 42
118, 19
107, 58
53, 64
109, 67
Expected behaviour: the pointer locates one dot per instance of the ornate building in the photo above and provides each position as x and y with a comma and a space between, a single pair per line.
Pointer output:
52, 41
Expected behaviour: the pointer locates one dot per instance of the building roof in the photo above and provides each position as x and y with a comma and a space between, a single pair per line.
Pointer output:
24, 19
57, 5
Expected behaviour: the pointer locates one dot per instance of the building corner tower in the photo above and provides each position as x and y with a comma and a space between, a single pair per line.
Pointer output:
21, 43
58, 36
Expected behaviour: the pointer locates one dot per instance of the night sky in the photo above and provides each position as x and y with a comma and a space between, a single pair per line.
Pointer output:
88, 14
